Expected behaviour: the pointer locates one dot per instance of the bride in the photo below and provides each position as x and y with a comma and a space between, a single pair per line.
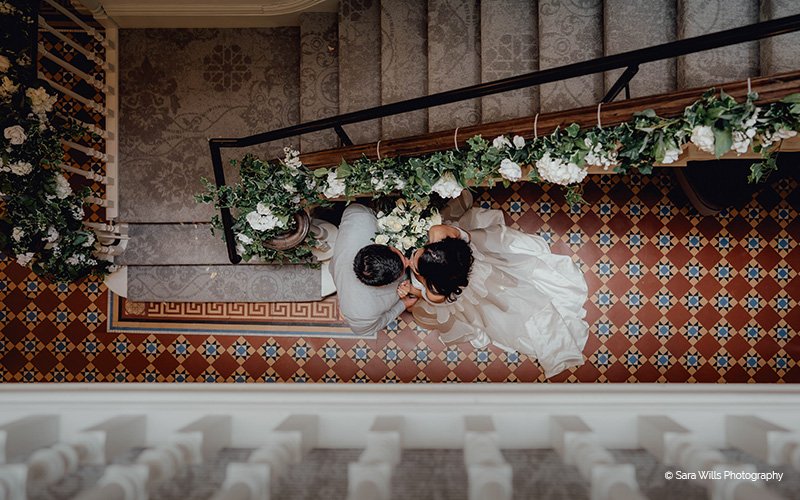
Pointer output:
483, 282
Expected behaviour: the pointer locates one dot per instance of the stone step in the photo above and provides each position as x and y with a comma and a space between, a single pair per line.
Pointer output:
319, 76
404, 63
570, 32
635, 25
780, 53
173, 244
224, 283
360, 64
453, 60
509, 47
707, 68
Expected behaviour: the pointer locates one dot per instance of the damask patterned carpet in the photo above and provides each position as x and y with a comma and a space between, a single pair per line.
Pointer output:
674, 297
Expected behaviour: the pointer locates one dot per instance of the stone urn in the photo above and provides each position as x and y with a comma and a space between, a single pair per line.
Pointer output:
294, 237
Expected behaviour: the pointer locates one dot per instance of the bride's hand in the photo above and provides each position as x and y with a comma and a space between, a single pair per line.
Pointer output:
403, 289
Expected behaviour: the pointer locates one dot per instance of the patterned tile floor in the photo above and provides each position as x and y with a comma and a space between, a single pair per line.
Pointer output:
674, 297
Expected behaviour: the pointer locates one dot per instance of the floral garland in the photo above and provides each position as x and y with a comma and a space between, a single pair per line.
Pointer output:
716, 123
40, 215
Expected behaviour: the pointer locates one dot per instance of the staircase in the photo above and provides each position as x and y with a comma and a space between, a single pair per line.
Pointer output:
377, 52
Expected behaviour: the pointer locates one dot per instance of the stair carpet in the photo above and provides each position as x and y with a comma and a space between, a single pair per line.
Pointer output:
381, 51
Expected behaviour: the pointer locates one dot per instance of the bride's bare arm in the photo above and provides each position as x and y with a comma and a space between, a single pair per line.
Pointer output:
442, 231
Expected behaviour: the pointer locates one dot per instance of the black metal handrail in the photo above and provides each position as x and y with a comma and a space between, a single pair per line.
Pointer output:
630, 60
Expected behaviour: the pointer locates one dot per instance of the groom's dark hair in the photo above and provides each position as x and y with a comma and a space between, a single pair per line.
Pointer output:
377, 265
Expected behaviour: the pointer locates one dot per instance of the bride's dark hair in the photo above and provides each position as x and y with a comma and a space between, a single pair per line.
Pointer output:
445, 265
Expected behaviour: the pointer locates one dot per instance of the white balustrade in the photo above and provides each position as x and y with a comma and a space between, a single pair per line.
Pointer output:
85, 173
95, 34
674, 445
13, 482
74, 95
120, 482
370, 477
577, 445
21, 437
285, 445
91, 152
762, 439
76, 46
488, 474
94, 82
191, 444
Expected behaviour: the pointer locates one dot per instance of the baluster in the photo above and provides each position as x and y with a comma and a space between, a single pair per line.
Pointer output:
85, 101
95, 34
119, 482
489, 475
94, 82
99, 201
577, 445
13, 482
91, 152
764, 440
191, 444
95, 445
92, 128
21, 437
61, 36
285, 445
370, 478
85, 173
674, 445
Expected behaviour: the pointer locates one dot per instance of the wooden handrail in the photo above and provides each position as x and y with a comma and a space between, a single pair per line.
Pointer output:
770, 89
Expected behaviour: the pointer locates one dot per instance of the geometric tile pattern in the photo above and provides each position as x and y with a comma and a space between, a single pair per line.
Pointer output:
673, 297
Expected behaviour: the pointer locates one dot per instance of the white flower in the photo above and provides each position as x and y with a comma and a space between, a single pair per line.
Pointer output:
558, 171
262, 222
4, 64
510, 170
671, 155
89, 240
399, 183
501, 142
288, 187
17, 234
15, 134
391, 223
77, 212
783, 134
7, 8
63, 188
21, 168
519, 141
750, 122
381, 239
41, 101
24, 259
52, 235
75, 260
435, 219
336, 187
263, 209
447, 186
703, 138
244, 238
7, 88
405, 243
741, 143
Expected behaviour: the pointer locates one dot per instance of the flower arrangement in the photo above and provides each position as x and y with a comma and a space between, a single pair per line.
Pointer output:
715, 123
406, 225
264, 204
40, 214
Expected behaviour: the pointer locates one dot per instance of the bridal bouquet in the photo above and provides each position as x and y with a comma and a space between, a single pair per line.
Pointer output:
406, 225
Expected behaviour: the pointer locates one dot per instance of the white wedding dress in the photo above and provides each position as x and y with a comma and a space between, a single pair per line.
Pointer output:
520, 297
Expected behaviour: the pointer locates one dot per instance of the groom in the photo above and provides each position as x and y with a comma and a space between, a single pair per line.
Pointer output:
370, 302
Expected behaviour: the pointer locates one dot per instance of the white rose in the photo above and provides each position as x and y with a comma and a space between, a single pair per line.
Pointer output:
382, 239
671, 155
73, 260
447, 186
261, 222
4, 64
510, 170
24, 259
783, 134
741, 143
77, 212
519, 141
63, 188
336, 187
436, 219
244, 238
21, 168
263, 209
557, 171
405, 243
89, 240
7, 88
703, 138
41, 101
391, 223
15, 134
501, 142
399, 183
289, 188
17, 234
52, 235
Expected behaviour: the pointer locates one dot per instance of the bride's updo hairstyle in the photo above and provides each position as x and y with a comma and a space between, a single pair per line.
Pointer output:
445, 265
